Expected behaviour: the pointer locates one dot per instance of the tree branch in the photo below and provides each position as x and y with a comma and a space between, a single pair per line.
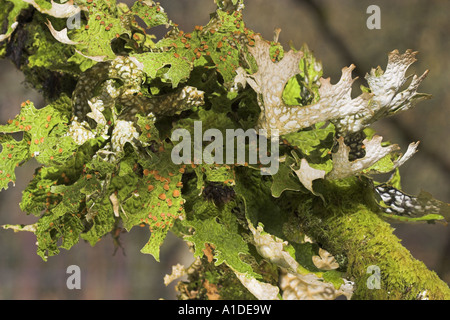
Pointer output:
348, 227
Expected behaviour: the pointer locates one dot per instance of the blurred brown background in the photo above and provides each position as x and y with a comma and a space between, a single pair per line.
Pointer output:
336, 31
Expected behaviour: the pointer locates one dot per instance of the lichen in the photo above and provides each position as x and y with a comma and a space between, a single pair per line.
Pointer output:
104, 144
335, 103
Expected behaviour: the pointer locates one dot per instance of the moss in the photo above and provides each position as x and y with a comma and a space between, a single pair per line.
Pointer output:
349, 226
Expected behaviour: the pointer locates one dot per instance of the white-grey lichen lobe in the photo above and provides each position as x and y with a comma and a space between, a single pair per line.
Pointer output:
335, 104
117, 86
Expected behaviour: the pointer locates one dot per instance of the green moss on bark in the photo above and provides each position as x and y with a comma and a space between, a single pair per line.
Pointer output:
348, 226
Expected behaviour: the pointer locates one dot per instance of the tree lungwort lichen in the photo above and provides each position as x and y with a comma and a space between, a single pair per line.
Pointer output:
114, 96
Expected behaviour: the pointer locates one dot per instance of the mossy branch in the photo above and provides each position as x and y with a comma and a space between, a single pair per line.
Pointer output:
348, 227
